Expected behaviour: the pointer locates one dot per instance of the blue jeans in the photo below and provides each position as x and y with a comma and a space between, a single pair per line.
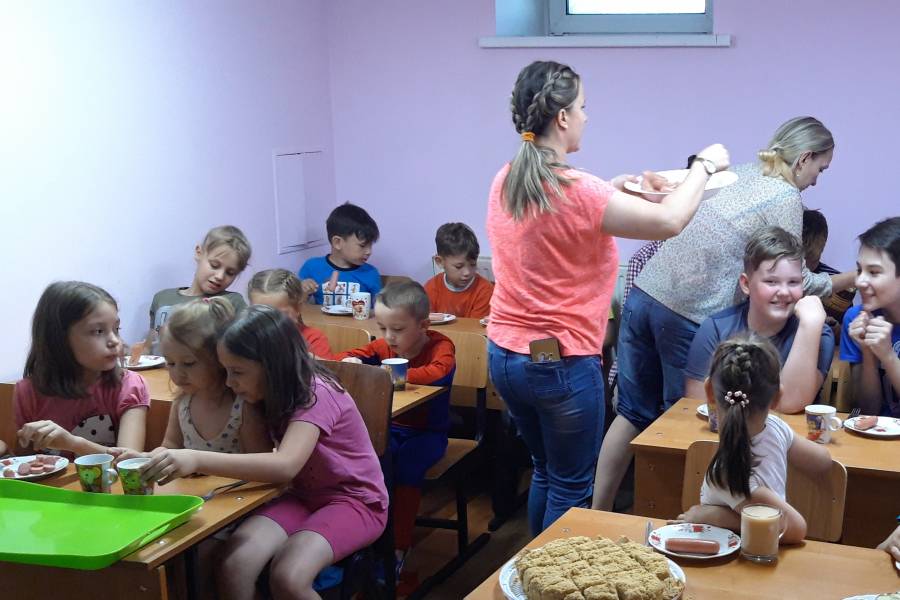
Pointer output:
653, 347
558, 409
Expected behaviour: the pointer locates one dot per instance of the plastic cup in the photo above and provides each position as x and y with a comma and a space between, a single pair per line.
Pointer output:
397, 367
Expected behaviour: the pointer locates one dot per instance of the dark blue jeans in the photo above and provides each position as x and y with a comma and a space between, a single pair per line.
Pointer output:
558, 409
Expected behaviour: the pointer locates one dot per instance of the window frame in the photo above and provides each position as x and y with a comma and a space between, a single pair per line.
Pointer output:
560, 22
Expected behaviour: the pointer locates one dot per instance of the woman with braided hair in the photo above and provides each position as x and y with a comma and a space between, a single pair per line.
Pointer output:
555, 262
755, 447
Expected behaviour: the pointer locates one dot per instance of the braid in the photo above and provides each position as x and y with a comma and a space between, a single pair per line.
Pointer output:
541, 91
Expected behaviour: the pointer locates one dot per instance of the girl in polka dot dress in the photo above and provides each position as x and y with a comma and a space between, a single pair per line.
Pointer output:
207, 415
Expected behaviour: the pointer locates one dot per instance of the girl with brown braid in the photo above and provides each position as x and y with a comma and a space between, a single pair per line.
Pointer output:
755, 447
551, 228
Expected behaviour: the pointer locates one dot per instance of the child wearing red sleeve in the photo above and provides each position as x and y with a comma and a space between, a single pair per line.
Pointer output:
459, 290
418, 437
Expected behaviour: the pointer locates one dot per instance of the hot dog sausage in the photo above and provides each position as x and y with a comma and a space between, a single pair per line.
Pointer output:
692, 546
864, 423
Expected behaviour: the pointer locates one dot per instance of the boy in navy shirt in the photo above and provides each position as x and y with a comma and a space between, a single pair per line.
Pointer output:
345, 270
870, 340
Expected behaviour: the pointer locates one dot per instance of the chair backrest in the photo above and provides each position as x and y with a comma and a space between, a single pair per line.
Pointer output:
696, 462
7, 415
471, 359
157, 421
373, 392
342, 338
820, 499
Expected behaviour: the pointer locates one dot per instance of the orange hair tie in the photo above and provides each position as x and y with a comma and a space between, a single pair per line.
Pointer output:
527, 136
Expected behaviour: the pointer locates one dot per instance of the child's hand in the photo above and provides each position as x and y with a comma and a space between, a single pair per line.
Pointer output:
44, 434
167, 464
878, 338
693, 515
309, 286
857, 328
809, 309
892, 544
125, 453
352, 359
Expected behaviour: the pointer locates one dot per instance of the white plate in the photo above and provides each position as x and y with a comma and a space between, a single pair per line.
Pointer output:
483, 322
146, 361
728, 541
675, 177
14, 461
871, 596
703, 411
337, 309
440, 318
512, 587
887, 427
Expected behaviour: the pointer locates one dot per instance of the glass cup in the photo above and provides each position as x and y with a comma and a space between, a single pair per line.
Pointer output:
397, 368
760, 533
95, 472
130, 475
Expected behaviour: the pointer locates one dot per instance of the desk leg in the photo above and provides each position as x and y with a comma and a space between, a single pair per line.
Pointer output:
658, 480
121, 580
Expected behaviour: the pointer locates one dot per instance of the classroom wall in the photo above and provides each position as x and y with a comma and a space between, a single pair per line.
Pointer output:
422, 124
128, 129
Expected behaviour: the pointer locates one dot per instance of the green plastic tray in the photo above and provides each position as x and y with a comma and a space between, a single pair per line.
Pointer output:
43, 525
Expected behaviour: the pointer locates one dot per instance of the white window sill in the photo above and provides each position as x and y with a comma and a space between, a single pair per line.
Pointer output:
622, 40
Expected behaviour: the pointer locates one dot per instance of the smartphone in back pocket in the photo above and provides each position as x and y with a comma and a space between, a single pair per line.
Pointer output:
545, 350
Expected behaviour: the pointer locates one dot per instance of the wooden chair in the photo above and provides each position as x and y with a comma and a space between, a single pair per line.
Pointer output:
342, 338
373, 392
461, 458
7, 415
819, 498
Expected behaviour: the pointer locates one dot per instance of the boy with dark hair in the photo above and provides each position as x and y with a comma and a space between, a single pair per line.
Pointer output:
773, 280
815, 235
345, 270
871, 338
459, 290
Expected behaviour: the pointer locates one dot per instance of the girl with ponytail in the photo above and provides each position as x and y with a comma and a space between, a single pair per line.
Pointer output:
555, 261
755, 446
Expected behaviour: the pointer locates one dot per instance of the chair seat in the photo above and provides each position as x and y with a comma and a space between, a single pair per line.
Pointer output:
457, 449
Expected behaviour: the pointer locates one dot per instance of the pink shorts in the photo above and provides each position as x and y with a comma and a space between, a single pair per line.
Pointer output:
346, 523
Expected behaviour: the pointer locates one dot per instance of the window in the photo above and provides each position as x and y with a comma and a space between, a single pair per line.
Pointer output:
629, 16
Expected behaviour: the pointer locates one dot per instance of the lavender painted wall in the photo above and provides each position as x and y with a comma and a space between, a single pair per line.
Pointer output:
421, 122
130, 128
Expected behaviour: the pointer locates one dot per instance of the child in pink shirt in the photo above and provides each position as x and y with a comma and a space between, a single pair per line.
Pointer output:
336, 502
75, 398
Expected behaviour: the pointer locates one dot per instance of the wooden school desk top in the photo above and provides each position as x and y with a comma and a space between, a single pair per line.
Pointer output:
808, 570
679, 426
161, 388
312, 314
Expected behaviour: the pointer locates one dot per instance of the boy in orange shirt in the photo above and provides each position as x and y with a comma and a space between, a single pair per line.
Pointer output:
419, 436
459, 290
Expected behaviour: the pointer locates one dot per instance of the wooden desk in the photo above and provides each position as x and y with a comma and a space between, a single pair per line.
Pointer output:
873, 471
809, 570
312, 314
162, 390
142, 574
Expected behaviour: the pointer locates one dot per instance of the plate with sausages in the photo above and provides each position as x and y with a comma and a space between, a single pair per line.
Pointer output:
29, 468
880, 427
703, 411
694, 540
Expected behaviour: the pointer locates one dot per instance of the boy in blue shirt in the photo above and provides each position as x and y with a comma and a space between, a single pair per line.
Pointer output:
870, 340
332, 278
773, 280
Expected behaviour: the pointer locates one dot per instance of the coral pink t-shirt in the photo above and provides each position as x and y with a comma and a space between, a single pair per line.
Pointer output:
554, 272
94, 417
343, 463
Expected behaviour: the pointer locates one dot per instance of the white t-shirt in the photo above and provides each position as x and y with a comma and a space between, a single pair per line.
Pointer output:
770, 447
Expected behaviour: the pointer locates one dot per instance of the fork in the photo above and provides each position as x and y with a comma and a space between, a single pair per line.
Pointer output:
647, 532
854, 413
222, 489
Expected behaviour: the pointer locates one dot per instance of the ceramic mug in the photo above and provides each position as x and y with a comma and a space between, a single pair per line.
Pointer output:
397, 368
361, 305
130, 476
95, 472
820, 422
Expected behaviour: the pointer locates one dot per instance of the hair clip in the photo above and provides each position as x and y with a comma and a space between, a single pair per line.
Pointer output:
739, 397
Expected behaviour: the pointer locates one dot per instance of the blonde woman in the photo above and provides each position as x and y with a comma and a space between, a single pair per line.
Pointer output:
551, 229
695, 274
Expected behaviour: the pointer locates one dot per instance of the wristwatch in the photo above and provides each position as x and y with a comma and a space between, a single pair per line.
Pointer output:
709, 165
